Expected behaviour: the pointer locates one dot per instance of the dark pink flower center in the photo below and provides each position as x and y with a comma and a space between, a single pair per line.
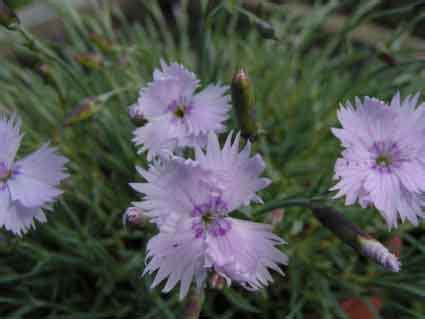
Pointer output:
386, 156
180, 107
210, 218
5, 173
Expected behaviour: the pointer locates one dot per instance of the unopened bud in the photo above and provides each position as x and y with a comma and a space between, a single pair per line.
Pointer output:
217, 282
394, 245
266, 30
275, 217
102, 43
374, 250
357, 238
133, 216
45, 72
8, 18
136, 115
244, 104
92, 61
387, 58
83, 111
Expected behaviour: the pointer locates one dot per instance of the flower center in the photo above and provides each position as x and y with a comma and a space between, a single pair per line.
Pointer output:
180, 107
207, 218
180, 111
384, 160
210, 218
386, 156
5, 173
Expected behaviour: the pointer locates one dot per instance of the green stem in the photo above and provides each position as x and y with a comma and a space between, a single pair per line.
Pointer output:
288, 202
34, 43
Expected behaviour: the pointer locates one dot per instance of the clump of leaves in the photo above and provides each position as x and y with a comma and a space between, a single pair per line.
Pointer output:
83, 264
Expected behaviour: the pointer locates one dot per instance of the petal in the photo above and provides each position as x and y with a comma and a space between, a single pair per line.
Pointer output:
31, 192
44, 165
235, 173
384, 190
158, 137
176, 71
246, 252
176, 255
210, 110
17, 218
10, 139
173, 186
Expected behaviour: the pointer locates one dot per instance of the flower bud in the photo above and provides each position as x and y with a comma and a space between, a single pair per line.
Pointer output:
244, 104
45, 72
102, 43
134, 216
357, 238
136, 115
374, 250
89, 60
8, 18
83, 111
387, 58
394, 245
217, 282
266, 30
275, 217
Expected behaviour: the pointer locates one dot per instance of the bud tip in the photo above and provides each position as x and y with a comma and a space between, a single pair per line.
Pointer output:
133, 216
379, 253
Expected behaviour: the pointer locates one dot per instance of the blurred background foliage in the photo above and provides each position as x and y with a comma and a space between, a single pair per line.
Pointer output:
18, 3
84, 264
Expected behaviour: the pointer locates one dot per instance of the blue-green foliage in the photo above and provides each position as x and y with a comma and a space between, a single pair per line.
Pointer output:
83, 264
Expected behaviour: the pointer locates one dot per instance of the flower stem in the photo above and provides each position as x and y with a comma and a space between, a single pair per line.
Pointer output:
288, 202
344, 229
194, 304
357, 238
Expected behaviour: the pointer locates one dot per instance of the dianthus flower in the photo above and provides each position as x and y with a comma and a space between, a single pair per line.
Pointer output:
177, 115
29, 185
382, 163
190, 201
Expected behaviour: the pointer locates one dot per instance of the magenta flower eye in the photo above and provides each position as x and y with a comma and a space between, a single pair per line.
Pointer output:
5, 172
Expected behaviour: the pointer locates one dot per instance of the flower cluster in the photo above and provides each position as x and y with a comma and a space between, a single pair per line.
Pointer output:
191, 200
28, 186
383, 162
177, 115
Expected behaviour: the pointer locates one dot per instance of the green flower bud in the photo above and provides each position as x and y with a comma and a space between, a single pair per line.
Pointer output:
83, 111
266, 30
89, 60
8, 18
244, 104
102, 43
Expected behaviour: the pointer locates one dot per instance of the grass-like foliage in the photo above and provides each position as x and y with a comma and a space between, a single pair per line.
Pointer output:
84, 264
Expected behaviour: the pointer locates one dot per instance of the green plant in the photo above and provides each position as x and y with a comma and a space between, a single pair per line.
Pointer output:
83, 264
